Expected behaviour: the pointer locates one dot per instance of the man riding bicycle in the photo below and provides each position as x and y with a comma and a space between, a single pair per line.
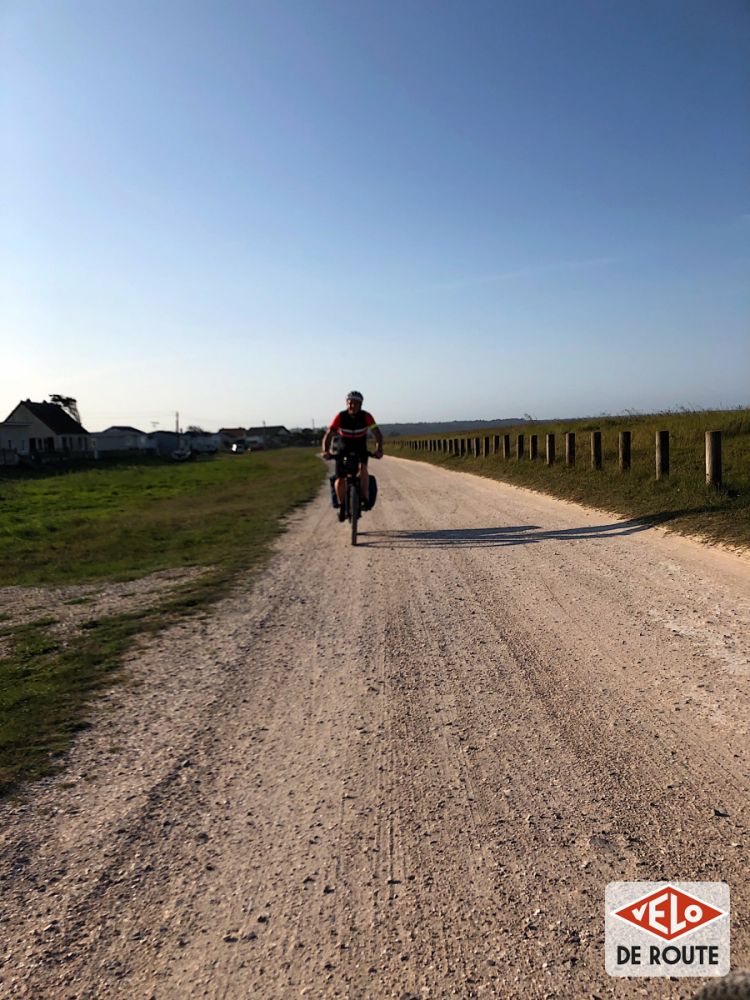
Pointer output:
352, 426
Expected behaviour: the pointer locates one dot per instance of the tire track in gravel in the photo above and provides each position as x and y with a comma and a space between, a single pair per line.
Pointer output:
405, 769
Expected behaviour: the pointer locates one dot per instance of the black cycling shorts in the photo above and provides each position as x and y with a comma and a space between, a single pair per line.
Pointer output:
341, 460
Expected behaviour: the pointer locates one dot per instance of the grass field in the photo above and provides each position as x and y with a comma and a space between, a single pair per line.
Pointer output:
121, 522
681, 502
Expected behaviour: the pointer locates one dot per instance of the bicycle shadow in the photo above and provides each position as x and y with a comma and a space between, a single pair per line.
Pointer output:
521, 534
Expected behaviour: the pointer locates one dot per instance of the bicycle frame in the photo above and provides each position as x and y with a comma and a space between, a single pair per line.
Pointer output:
352, 494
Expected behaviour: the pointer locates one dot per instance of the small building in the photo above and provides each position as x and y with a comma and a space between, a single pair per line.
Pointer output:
203, 442
44, 431
166, 442
269, 437
231, 435
118, 439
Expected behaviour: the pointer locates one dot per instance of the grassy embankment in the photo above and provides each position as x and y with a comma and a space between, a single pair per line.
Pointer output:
682, 502
121, 522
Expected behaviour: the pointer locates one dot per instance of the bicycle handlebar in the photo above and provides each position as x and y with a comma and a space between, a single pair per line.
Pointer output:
327, 455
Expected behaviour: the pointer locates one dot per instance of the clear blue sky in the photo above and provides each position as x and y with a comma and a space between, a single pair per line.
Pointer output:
241, 210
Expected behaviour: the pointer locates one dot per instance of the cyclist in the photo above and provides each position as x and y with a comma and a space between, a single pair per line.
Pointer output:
352, 425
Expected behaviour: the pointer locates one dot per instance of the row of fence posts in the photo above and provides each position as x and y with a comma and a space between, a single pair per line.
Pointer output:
483, 447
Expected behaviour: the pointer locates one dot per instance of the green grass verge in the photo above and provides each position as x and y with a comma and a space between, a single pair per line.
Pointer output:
682, 502
122, 522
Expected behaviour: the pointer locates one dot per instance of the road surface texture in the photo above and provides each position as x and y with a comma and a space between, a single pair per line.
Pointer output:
406, 769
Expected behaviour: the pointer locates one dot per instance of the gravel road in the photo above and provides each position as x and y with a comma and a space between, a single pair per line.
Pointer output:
406, 769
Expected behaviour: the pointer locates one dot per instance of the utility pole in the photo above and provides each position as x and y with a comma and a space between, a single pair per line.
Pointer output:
176, 421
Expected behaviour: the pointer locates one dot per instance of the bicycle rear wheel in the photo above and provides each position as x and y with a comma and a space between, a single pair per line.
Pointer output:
354, 510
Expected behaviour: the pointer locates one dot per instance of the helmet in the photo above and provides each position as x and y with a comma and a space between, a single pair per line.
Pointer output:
356, 396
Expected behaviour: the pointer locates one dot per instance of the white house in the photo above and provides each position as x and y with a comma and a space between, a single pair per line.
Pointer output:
44, 430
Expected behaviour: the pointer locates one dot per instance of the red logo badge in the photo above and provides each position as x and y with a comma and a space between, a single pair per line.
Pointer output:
668, 913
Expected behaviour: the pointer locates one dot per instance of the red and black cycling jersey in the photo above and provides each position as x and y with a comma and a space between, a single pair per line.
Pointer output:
352, 428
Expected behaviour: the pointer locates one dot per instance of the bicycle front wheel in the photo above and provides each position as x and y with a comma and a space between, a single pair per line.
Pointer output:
354, 510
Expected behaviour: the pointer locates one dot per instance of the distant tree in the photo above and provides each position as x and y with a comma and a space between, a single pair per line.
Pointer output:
193, 429
69, 404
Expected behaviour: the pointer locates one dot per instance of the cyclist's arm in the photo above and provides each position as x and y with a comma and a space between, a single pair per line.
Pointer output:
376, 432
329, 434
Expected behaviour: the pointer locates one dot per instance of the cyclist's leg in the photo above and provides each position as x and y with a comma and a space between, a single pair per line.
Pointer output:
340, 484
364, 477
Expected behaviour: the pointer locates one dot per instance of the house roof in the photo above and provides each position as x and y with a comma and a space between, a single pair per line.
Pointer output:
276, 429
117, 429
233, 431
54, 417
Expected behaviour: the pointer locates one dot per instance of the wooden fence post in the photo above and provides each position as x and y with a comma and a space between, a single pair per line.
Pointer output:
533, 446
596, 450
713, 458
506, 446
570, 448
662, 454
550, 449
624, 450
519, 447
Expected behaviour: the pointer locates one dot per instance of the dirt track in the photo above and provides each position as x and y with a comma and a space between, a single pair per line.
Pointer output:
403, 770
